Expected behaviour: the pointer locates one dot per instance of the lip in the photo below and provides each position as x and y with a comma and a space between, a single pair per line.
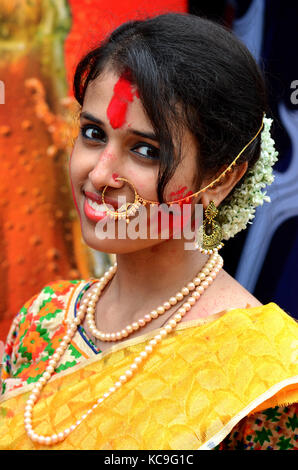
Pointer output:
91, 213
97, 198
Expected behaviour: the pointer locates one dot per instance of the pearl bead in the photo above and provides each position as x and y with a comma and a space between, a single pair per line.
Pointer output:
185, 291
148, 349
180, 295
167, 305
177, 317
187, 306
191, 286
138, 360
200, 289
202, 276
168, 328
147, 318
154, 314
182, 311
173, 300
160, 310
197, 281
191, 300
135, 325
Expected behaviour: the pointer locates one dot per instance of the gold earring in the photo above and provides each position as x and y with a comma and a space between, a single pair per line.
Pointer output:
211, 231
126, 210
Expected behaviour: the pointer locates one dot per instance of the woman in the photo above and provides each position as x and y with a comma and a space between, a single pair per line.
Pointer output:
167, 350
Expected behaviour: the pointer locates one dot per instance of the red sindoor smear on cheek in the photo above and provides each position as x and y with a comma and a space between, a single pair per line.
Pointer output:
123, 94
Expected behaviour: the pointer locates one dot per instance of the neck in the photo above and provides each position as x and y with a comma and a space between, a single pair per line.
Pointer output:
146, 278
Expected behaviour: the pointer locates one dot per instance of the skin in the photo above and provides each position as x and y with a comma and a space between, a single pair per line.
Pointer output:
152, 270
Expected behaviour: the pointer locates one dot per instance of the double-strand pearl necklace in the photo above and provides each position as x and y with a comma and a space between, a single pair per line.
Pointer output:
215, 263
200, 281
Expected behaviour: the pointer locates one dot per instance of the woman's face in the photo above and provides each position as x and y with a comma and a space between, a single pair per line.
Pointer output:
117, 139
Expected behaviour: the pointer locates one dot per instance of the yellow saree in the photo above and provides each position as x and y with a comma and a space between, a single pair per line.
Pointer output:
189, 394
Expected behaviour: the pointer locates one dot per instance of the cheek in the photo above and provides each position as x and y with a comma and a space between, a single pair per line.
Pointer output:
180, 216
70, 168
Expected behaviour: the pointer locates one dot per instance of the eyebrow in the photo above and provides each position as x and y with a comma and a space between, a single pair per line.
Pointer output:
146, 135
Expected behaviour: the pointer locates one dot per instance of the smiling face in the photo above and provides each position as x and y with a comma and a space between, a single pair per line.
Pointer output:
117, 139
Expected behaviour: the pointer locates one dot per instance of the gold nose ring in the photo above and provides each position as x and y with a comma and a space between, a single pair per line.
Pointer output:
129, 208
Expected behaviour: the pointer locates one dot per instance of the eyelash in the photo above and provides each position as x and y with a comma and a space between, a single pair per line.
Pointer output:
140, 144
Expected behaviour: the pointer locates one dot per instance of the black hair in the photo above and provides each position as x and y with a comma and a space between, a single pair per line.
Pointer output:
191, 73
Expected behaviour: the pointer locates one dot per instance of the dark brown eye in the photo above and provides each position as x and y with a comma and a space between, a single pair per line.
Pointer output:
92, 133
147, 151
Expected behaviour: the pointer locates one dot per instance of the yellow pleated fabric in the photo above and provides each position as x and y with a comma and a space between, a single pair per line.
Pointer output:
189, 394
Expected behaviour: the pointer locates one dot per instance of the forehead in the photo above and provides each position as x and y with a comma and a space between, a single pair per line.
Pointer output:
111, 97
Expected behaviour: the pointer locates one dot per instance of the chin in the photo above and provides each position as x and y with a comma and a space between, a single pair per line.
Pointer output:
117, 246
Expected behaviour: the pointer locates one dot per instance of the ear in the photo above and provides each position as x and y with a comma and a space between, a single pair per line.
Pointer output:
220, 191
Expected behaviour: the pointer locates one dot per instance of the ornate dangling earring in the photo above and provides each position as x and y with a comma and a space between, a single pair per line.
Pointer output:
128, 209
210, 231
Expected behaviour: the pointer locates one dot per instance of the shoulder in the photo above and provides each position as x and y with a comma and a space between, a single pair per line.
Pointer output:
49, 301
236, 294
224, 293
37, 331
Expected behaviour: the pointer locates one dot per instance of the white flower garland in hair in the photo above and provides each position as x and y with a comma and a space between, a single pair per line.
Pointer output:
238, 209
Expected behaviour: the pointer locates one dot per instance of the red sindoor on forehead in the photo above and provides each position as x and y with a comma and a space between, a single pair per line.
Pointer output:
123, 94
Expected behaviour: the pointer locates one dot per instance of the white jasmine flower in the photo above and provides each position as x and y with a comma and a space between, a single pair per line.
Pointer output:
238, 209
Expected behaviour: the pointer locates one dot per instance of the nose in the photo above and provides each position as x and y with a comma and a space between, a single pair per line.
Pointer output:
106, 170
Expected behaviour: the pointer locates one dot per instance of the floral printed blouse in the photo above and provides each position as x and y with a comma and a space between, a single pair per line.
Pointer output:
39, 327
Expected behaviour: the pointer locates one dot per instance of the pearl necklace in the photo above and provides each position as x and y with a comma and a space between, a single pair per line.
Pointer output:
201, 278
215, 263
